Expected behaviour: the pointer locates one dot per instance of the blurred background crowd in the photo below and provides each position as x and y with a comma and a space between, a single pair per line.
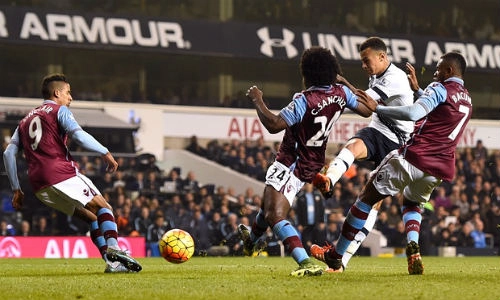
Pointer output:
465, 212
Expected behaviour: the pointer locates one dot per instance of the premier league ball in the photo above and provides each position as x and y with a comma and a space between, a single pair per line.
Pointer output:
176, 246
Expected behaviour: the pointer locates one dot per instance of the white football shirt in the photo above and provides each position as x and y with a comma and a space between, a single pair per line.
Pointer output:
391, 88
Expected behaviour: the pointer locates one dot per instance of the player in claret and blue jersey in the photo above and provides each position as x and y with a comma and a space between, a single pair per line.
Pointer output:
442, 112
54, 176
307, 122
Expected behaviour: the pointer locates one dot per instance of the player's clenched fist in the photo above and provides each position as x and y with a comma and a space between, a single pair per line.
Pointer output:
254, 93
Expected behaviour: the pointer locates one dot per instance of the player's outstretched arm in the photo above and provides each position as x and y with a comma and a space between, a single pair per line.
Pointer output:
77, 134
84, 139
273, 123
412, 112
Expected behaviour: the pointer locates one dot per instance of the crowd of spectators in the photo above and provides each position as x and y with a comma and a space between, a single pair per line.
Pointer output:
448, 19
465, 212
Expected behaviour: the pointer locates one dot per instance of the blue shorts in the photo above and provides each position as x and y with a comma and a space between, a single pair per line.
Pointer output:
377, 144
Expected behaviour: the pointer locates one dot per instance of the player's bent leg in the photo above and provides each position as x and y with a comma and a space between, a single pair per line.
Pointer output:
354, 149
276, 206
97, 238
112, 253
361, 235
354, 222
107, 225
287, 233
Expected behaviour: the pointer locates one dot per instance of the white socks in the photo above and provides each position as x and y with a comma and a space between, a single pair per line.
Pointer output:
360, 237
340, 165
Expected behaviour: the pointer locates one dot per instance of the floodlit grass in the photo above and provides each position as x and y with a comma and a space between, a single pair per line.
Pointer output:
250, 278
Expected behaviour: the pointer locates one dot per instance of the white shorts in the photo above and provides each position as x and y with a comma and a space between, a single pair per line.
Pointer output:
395, 174
66, 195
282, 179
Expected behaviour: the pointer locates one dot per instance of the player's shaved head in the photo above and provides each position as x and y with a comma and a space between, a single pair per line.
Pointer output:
456, 61
51, 83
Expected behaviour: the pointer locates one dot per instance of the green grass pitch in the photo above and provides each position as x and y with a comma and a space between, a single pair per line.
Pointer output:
250, 278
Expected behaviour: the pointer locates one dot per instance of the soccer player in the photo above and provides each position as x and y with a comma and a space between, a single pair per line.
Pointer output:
307, 122
55, 177
443, 110
390, 87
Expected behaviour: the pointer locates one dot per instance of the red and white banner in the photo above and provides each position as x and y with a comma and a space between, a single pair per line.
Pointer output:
63, 247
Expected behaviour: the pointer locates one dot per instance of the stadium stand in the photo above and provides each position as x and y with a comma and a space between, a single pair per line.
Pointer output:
225, 173
204, 208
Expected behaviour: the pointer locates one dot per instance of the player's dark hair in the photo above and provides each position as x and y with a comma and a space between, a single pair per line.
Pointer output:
319, 66
48, 87
374, 43
456, 59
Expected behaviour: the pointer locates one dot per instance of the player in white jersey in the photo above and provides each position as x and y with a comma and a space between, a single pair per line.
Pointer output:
388, 86
391, 88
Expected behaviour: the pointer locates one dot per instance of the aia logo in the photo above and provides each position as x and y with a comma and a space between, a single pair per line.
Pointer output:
288, 188
125, 244
10, 247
